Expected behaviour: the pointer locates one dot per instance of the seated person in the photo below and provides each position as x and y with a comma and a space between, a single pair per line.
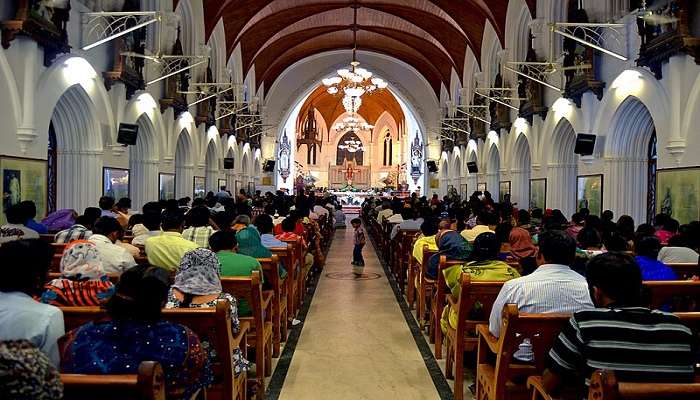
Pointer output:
668, 230
166, 250
484, 221
452, 245
397, 216
15, 229
249, 244
241, 222
27, 373
638, 344
21, 317
577, 223
134, 332
138, 229
106, 204
502, 233
552, 288
410, 221
198, 285
429, 228
121, 210
151, 221
385, 212
646, 249
297, 218
29, 211
589, 245
289, 234
679, 250
199, 229
83, 281
115, 258
485, 267
339, 217
81, 230
263, 223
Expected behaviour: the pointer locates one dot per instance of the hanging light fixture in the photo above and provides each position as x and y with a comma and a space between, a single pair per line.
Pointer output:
352, 123
354, 81
352, 104
351, 146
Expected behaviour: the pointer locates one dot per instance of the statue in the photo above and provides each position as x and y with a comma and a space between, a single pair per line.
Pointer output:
667, 204
350, 174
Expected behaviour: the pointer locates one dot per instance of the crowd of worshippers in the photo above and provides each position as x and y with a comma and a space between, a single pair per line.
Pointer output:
189, 246
591, 266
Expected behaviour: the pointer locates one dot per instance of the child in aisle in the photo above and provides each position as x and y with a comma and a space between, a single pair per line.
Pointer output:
359, 240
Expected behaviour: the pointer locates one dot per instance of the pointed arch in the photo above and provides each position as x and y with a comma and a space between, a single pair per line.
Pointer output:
563, 168
520, 171
184, 165
144, 158
493, 168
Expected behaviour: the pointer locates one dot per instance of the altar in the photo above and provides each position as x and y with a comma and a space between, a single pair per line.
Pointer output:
359, 175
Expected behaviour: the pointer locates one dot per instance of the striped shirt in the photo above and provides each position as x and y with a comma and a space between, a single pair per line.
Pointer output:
639, 344
75, 232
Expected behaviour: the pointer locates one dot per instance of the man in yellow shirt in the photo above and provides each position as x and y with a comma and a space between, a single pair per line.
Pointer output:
484, 223
429, 229
167, 249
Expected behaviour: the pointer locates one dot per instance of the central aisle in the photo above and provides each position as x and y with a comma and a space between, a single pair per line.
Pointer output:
355, 343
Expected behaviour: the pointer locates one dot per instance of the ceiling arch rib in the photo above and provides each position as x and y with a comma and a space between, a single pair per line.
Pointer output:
369, 41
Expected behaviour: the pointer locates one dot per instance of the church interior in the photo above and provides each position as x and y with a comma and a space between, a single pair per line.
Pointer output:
350, 199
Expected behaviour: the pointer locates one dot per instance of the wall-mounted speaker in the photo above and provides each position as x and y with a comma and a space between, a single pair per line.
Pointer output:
269, 166
228, 163
472, 168
585, 144
432, 167
127, 134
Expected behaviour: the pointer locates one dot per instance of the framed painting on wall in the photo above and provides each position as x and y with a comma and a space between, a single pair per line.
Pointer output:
434, 183
251, 188
481, 187
267, 181
503, 190
220, 183
464, 191
199, 187
115, 182
589, 193
166, 186
24, 179
678, 193
238, 185
538, 194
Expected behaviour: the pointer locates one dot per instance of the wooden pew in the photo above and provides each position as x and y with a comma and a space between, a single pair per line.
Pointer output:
413, 270
298, 258
499, 380
682, 295
261, 332
403, 246
148, 384
279, 301
439, 301
605, 386
292, 265
463, 338
685, 271
426, 287
211, 323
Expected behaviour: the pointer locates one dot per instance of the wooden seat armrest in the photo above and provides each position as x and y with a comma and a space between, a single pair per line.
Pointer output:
243, 329
538, 391
453, 301
485, 335
267, 298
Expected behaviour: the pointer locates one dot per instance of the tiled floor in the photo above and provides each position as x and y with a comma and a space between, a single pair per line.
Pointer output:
355, 343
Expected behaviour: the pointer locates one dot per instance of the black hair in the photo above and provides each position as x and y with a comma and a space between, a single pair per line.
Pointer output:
588, 237
171, 221
585, 212
618, 276
671, 225
198, 216
557, 247
486, 247
28, 262
645, 230
264, 223
93, 213
647, 246
28, 209
222, 240
106, 226
124, 202
607, 215
289, 224
106, 203
15, 215
430, 226
151, 221
223, 220
490, 218
660, 219
198, 202
356, 221
84, 221
140, 294
503, 232
537, 213
523, 217
577, 218
407, 213
152, 206
270, 209
135, 220
615, 242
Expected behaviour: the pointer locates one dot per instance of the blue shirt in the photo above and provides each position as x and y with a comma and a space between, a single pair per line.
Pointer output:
268, 240
655, 270
21, 317
39, 228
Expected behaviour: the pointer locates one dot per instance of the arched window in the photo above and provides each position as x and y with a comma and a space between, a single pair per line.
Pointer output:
388, 149
651, 178
350, 148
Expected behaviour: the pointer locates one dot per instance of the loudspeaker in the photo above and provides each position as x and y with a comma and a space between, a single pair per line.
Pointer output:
585, 143
228, 163
127, 134
269, 166
472, 168
432, 167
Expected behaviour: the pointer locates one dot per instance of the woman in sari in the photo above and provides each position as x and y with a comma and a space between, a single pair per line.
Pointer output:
134, 332
83, 281
198, 285
452, 245
485, 267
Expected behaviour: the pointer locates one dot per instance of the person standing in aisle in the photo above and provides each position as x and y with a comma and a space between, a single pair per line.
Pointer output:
359, 240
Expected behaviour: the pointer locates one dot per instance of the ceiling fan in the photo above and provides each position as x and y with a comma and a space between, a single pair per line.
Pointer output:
654, 14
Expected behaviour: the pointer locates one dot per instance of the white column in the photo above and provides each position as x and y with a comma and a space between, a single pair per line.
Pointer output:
625, 187
520, 188
212, 178
493, 184
561, 188
143, 182
79, 179
184, 181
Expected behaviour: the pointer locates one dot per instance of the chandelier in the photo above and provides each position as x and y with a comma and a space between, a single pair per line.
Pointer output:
352, 123
351, 146
352, 104
354, 81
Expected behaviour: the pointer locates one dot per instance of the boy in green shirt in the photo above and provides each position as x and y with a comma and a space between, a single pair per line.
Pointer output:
233, 264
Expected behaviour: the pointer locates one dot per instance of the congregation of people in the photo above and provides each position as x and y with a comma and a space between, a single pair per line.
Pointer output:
592, 268
168, 255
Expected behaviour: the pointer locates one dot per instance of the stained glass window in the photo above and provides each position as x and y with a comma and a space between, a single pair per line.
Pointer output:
52, 171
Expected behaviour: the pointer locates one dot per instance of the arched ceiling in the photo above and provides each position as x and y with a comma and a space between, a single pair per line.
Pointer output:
430, 35
331, 107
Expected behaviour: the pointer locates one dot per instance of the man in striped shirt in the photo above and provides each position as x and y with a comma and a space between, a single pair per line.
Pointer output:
639, 344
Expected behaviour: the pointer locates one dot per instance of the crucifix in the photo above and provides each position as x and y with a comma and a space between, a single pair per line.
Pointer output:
350, 173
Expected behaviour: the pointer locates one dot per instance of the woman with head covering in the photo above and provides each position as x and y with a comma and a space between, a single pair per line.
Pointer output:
485, 267
452, 245
27, 373
250, 244
198, 285
83, 281
134, 332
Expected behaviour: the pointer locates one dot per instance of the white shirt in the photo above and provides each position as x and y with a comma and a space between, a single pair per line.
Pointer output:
384, 214
551, 288
140, 240
395, 219
21, 317
677, 255
11, 232
407, 225
115, 258
320, 210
